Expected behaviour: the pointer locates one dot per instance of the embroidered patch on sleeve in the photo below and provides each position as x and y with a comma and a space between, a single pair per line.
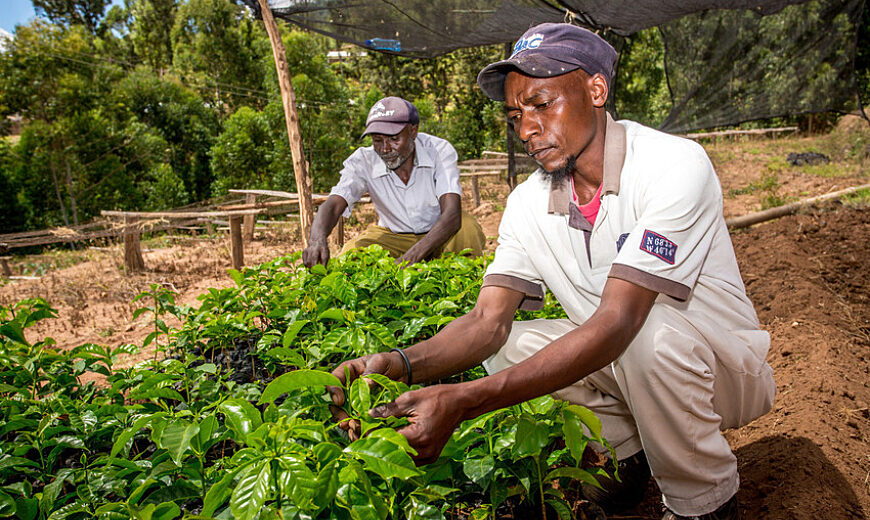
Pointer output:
658, 246
620, 241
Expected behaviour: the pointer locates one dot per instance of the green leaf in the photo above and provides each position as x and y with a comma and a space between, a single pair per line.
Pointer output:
251, 492
340, 287
180, 490
480, 470
532, 437
298, 482
176, 438
383, 457
290, 381
242, 417
333, 314
13, 331
572, 473
237, 277
26, 508
7, 504
561, 507
127, 434
382, 335
13, 462
218, 493
166, 511
360, 396
588, 418
572, 430
292, 331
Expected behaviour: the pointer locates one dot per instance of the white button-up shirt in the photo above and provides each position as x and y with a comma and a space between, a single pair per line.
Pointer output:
402, 208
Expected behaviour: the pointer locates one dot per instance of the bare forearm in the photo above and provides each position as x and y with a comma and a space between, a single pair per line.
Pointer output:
588, 348
461, 345
561, 364
326, 218
469, 339
444, 228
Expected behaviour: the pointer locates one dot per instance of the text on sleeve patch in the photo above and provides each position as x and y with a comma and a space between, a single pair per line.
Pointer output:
658, 246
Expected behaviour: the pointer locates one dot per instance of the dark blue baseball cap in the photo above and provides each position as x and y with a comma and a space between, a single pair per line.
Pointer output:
550, 49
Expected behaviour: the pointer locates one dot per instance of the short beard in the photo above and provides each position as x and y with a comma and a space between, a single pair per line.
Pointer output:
398, 161
558, 176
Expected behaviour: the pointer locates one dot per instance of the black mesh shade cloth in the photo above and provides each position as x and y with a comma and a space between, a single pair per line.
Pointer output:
727, 61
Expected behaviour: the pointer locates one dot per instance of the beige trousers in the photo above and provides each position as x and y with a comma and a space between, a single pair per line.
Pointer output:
670, 393
469, 236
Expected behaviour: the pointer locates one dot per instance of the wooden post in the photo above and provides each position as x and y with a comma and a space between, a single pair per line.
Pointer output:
340, 231
475, 189
250, 220
132, 250
7, 272
236, 244
288, 98
209, 228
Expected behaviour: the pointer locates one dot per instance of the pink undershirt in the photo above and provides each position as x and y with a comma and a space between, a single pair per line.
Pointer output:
590, 210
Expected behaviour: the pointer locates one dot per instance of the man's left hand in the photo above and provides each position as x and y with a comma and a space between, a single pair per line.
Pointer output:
433, 414
413, 255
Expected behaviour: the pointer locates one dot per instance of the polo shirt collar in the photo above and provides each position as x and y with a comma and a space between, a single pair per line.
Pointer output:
614, 158
421, 159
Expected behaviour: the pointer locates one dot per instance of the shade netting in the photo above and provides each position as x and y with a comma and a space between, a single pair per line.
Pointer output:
726, 61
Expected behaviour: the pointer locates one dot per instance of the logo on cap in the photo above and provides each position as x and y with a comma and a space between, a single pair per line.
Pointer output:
379, 110
529, 42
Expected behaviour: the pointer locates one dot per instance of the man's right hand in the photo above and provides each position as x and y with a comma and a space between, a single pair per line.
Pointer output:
389, 364
317, 252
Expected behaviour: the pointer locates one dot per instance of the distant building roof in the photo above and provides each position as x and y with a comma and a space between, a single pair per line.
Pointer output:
5, 38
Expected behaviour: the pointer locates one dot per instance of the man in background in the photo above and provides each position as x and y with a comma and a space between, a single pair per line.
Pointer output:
413, 181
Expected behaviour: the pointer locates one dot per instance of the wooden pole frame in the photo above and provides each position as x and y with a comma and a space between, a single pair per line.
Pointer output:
288, 98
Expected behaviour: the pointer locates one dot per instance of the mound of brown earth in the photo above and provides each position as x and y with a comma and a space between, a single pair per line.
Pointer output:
809, 458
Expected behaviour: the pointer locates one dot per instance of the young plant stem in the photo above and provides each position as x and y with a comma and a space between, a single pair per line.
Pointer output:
541, 488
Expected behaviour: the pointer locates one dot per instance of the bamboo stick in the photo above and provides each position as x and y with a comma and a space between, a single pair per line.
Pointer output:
788, 209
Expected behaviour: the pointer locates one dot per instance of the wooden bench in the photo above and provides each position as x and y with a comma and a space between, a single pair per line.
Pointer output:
492, 164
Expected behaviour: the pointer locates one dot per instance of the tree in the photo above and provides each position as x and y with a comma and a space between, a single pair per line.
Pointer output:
178, 116
151, 31
72, 12
640, 88
217, 46
11, 213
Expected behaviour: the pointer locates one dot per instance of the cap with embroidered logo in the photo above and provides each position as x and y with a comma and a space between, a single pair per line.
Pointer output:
390, 115
550, 49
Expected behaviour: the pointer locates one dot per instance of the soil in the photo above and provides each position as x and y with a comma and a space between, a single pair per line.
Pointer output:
808, 275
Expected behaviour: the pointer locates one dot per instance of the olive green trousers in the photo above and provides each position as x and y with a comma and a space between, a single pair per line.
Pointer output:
469, 236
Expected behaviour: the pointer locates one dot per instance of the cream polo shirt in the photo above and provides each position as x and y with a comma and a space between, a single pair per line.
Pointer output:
402, 208
660, 226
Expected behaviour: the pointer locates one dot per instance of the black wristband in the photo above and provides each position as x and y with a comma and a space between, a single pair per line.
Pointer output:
407, 363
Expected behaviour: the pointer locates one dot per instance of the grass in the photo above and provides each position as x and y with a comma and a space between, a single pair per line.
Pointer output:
859, 199
40, 265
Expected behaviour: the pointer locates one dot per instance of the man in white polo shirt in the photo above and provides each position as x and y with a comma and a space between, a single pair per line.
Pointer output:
413, 181
624, 225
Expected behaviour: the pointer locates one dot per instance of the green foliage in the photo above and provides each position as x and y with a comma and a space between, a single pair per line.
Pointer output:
180, 437
217, 46
445, 93
150, 31
72, 12
640, 88
182, 120
11, 213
